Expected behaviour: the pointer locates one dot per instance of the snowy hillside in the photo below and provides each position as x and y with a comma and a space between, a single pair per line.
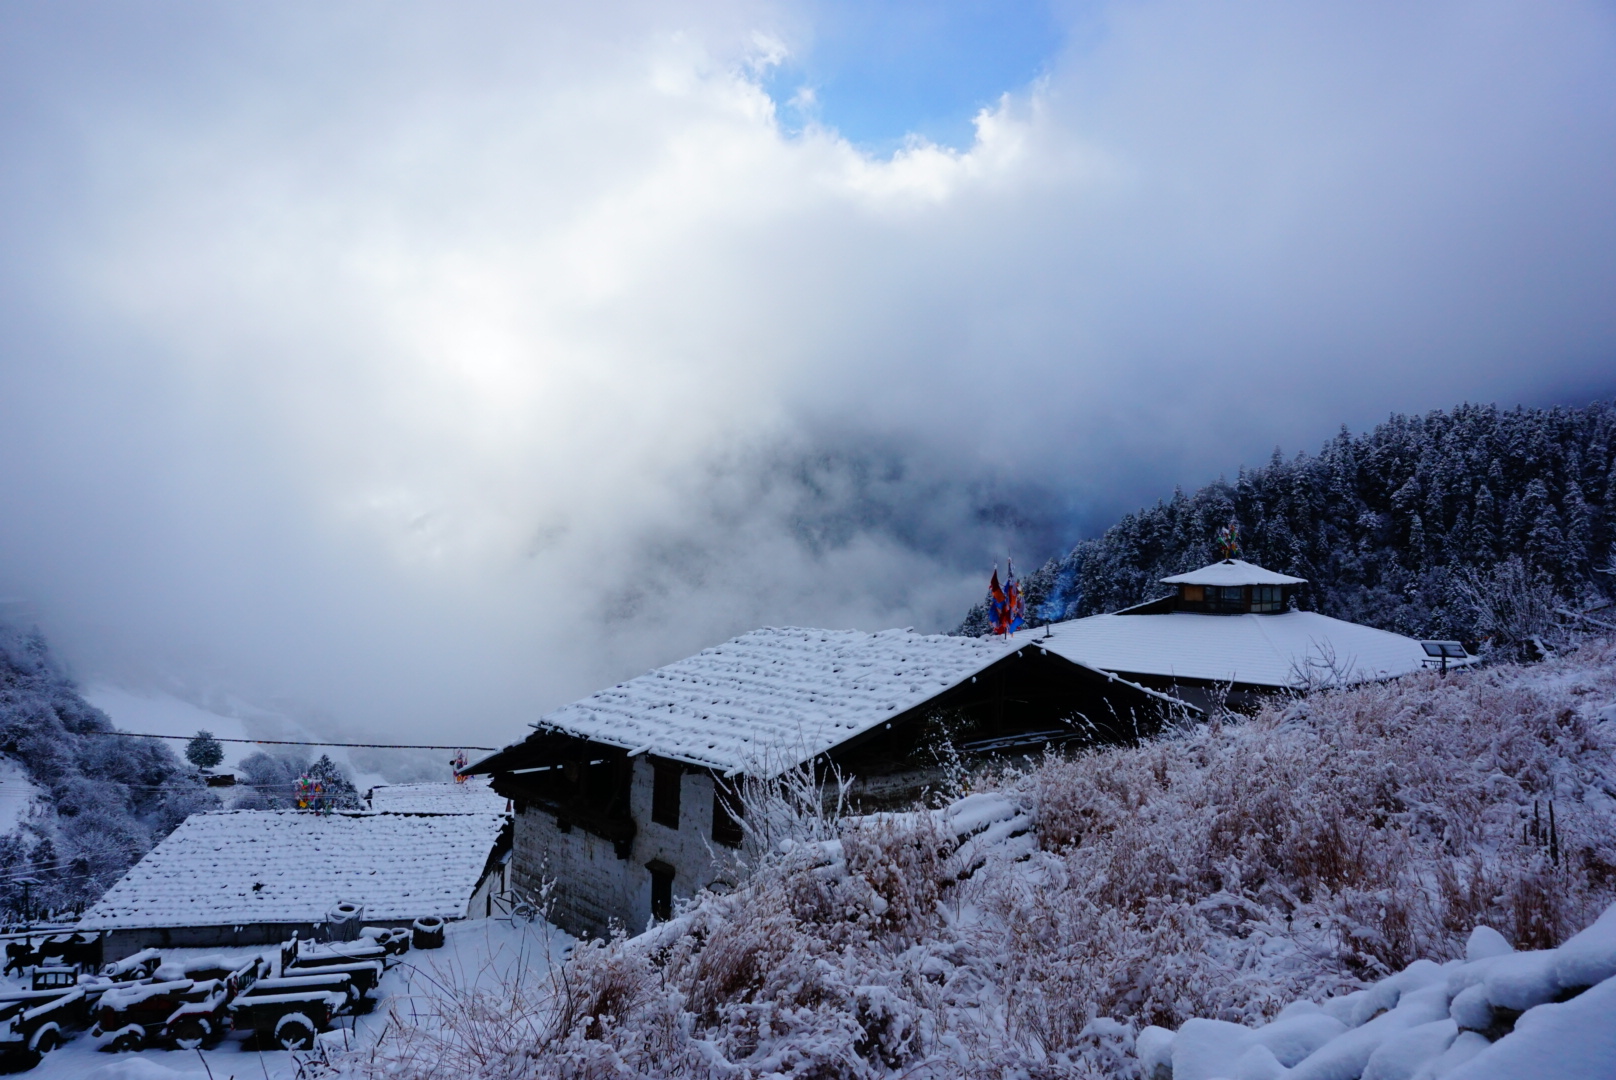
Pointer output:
78, 807
1174, 900
1421, 526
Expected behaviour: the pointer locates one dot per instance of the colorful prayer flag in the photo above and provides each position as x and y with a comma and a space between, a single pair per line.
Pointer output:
1229, 539
1006, 612
996, 601
1015, 610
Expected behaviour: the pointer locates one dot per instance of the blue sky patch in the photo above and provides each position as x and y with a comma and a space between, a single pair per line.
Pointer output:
881, 71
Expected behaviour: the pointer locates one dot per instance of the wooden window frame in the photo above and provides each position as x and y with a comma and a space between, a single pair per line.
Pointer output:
1267, 599
726, 815
662, 876
666, 779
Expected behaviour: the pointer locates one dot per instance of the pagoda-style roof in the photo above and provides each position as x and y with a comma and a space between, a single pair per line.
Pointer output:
1233, 572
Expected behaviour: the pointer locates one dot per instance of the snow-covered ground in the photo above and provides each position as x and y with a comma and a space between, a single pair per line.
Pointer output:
480, 956
1495, 1014
17, 794
1291, 896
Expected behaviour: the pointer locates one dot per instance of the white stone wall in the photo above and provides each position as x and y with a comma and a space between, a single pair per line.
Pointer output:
593, 886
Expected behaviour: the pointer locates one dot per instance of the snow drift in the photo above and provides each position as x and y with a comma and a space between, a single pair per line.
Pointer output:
1496, 1014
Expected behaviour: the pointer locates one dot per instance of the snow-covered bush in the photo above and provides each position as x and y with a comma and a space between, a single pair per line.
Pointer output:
272, 782
1211, 875
266, 781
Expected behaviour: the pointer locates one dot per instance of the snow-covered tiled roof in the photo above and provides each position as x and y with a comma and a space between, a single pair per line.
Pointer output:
774, 697
1233, 572
254, 866
1292, 649
473, 796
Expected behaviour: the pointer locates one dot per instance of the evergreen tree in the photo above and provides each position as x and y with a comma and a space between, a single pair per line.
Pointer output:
336, 790
204, 751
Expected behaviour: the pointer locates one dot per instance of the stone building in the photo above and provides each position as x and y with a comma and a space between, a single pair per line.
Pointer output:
625, 799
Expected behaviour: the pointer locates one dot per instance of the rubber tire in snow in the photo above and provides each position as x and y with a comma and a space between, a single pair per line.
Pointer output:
45, 1040
127, 1039
190, 1033
427, 933
294, 1031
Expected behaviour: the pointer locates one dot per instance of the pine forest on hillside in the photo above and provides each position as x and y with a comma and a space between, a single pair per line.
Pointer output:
1474, 523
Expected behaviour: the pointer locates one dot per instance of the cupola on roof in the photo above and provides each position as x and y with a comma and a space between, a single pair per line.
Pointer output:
1233, 572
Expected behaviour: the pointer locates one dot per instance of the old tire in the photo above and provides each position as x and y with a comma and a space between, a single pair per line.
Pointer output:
46, 1039
427, 933
190, 1033
294, 1031
127, 1039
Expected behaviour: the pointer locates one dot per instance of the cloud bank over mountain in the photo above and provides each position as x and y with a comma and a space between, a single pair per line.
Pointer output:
431, 366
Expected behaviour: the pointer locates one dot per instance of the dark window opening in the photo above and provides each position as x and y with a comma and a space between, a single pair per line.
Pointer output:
661, 890
599, 786
726, 816
1267, 598
665, 779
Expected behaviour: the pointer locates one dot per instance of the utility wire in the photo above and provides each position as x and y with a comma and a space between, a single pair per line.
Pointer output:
291, 742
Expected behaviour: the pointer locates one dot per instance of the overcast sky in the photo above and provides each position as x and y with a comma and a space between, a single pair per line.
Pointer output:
426, 366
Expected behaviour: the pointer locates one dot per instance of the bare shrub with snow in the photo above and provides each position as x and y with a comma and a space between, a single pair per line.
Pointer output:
1218, 873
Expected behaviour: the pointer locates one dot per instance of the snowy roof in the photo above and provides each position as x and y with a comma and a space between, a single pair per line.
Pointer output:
1294, 648
1233, 572
774, 697
289, 866
474, 796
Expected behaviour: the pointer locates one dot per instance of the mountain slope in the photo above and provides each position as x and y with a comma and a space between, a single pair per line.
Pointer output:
104, 801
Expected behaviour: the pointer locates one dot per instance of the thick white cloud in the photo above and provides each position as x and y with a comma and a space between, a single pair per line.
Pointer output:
432, 368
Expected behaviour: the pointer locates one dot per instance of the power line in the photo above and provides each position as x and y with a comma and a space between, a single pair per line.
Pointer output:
291, 742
